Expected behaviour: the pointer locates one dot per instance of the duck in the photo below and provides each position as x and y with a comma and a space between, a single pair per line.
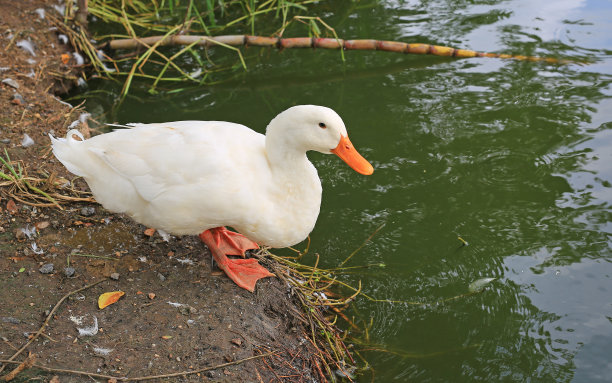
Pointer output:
200, 177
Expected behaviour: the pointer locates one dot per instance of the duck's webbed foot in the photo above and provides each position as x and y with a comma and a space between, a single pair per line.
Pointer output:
245, 272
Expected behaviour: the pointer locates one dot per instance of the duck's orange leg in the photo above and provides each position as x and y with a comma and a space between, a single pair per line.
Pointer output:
222, 242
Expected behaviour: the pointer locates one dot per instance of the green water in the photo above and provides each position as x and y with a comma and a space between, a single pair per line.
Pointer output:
514, 157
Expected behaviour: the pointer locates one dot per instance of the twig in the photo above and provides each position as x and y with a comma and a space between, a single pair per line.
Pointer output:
27, 363
46, 322
141, 378
362, 245
321, 43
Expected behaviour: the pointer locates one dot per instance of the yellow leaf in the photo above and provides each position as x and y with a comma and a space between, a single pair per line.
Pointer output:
109, 298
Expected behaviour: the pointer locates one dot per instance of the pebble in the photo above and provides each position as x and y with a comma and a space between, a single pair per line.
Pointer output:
47, 268
187, 310
69, 271
20, 234
114, 276
161, 277
10, 320
5, 141
17, 99
11, 82
88, 211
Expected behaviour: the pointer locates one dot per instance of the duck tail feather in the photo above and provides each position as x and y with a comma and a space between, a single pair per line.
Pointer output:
68, 151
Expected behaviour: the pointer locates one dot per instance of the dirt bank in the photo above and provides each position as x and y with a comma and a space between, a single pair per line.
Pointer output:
179, 313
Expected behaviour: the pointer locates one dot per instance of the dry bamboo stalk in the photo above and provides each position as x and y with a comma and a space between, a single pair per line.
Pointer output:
315, 42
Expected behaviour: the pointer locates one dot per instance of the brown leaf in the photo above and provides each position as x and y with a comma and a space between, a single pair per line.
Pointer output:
42, 225
149, 232
11, 206
151, 295
109, 298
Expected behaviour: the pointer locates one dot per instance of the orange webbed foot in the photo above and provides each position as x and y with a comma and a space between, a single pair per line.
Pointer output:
245, 272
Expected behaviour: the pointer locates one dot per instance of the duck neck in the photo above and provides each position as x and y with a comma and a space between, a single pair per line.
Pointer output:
284, 156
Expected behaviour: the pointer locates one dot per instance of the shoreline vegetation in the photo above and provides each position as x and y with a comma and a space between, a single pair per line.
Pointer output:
131, 43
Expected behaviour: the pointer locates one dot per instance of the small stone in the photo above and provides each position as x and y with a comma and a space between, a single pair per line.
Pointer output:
88, 211
151, 295
10, 82
10, 320
236, 341
17, 99
5, 141
114, 276
187, 310
161, 277
69, 271
20, 234
47, 268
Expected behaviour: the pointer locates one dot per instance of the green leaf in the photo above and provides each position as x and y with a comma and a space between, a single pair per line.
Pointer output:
22, 270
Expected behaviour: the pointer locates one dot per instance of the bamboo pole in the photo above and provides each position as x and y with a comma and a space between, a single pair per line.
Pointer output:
316, 42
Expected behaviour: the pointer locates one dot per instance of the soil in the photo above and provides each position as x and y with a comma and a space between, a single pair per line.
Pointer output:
179, 313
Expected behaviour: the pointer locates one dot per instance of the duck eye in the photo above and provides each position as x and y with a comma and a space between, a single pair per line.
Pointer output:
322, 125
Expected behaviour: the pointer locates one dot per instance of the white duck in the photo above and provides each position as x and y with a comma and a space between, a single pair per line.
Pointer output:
195, 177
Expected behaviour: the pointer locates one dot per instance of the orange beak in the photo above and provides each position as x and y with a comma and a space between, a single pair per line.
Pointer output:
346, 151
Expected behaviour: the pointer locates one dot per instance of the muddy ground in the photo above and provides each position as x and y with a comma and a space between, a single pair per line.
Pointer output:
179, 313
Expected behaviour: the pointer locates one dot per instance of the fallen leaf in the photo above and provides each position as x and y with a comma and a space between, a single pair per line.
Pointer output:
109, 298
42, 225
149, 232
151, 295
166, 337
65, 58
11, 206
22, 270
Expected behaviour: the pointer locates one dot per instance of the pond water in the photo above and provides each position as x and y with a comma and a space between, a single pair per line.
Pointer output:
513, 157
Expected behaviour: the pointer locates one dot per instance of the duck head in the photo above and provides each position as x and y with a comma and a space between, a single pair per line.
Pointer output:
312, 127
